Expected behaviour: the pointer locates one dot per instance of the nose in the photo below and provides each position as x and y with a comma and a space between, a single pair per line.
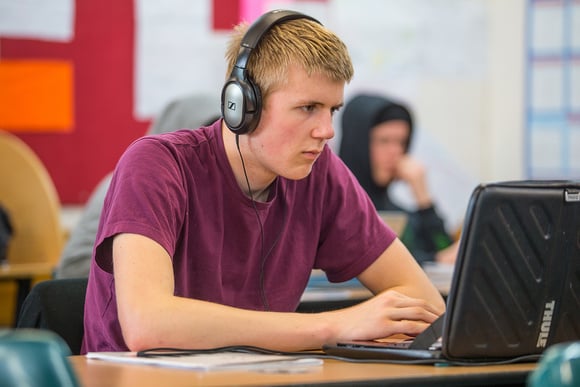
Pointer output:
325, 128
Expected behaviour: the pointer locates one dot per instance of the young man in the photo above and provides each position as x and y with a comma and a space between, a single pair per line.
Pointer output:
208, 237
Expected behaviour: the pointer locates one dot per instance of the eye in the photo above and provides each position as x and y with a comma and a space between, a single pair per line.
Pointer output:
308, 108
334, 110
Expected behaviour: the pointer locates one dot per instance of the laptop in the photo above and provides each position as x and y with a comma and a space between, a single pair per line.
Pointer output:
396, 220
515, 288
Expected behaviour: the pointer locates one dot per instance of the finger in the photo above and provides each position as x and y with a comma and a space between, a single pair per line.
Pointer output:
408, 327
412, 314
399, 300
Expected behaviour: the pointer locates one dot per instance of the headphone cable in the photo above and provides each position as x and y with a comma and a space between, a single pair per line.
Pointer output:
263, 258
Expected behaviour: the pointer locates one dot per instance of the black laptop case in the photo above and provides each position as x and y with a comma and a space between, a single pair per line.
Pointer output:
516, 283
516, 286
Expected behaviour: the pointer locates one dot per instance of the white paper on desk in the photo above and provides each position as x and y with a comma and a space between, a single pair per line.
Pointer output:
214, 361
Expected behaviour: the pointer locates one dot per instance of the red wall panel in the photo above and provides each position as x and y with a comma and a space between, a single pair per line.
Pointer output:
102, 54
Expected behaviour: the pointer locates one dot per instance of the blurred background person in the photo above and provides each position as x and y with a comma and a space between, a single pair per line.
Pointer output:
376, 136
190, 112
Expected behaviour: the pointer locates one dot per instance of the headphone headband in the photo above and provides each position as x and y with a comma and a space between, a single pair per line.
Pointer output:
241, 99
259, 28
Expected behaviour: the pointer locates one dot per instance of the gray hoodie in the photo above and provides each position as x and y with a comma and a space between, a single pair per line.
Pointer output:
189, 112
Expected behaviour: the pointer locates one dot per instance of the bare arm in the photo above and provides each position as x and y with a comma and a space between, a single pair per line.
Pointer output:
448, 255
411, 171
396, 269
406, 301
151, 316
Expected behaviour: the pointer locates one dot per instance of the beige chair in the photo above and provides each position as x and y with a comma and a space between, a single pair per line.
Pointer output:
28, 193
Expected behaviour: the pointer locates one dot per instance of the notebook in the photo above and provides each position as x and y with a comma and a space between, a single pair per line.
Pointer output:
515, 288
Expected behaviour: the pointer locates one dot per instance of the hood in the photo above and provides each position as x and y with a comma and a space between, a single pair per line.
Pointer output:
191, 112
360, 115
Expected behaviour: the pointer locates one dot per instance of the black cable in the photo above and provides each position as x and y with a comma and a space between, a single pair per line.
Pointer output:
175, 352
262, 256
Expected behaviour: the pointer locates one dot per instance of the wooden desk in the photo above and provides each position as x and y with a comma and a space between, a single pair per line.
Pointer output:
23, 274
96, 373
14, 271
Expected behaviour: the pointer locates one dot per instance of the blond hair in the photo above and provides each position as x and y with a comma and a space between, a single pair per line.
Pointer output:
296, 42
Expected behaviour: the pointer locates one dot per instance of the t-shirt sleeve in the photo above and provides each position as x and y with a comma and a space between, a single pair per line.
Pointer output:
145, 197
353, 235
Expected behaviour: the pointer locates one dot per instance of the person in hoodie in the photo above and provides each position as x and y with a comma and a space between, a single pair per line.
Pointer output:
190, 111
376, 135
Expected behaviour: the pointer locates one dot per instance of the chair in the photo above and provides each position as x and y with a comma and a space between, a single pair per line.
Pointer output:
34, 357
28, 194
57, 305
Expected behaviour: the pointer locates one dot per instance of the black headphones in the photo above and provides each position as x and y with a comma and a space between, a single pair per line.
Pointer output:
241, 99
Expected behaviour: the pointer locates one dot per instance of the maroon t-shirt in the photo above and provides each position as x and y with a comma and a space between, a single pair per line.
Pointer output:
179, 190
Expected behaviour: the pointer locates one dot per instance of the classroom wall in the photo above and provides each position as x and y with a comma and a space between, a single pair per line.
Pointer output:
480, 121
464, 81
459, 64
505, 99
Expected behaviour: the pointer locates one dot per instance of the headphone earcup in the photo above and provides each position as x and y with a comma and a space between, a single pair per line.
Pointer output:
241, 98
241, 105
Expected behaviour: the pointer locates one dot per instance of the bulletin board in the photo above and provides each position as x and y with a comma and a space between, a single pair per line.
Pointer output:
552, 105
81, 80
66, 86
